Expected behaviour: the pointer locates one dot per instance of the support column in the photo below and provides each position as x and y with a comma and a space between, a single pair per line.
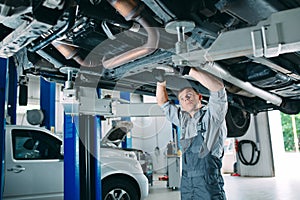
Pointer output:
71, 158
89, 158
82, 147
3, 70
127, 143
47, 102
97, 142
12, 92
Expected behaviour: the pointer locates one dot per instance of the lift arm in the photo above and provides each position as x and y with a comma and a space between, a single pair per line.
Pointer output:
84, 100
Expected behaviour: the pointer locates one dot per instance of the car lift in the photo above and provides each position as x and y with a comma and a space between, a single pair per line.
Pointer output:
82, 144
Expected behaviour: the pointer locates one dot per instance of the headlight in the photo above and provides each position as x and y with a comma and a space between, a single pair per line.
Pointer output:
130, 155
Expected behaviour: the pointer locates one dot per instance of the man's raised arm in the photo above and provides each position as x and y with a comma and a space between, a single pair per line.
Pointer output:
161, 93
206, 79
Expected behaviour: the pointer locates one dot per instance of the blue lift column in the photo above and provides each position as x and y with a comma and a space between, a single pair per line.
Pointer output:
89, 158
12, 91
3, 77
82, 169
47, 103
89, 155
128, 140
97, 142
71, 158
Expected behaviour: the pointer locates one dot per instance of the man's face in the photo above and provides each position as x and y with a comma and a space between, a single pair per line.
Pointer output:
189, 100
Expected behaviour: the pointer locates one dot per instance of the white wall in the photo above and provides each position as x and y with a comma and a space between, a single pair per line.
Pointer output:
265, 166
147, 132
34, 103
33, 100
152, 134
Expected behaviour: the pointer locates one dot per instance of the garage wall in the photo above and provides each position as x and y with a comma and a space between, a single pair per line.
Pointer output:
147, 132
33, 100
265, 165
156, 138
34, 103
152, 134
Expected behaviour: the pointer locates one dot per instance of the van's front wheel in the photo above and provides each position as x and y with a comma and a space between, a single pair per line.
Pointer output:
118, 188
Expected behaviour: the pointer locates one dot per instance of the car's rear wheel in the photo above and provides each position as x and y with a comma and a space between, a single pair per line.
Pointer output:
237, 121
118, 188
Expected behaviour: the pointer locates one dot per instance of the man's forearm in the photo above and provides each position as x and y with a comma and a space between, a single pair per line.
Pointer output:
161, 93
207, 80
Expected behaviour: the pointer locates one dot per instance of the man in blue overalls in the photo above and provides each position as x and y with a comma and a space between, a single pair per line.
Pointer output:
203, 131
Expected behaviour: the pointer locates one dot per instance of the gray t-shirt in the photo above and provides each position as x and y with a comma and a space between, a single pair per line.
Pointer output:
213, 120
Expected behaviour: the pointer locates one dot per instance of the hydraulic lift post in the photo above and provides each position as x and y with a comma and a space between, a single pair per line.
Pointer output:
82, 103
3, 78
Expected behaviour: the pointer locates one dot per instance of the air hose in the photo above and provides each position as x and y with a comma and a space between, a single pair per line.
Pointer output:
254, 155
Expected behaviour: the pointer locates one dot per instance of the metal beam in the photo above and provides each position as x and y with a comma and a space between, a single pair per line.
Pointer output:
137, 110
269, 38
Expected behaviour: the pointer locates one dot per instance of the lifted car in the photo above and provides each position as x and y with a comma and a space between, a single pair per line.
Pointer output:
116, 44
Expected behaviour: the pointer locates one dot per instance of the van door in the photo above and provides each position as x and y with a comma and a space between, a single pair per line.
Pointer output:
34, 166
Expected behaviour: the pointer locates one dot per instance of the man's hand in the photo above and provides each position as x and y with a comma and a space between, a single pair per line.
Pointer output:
184, 70
159, 75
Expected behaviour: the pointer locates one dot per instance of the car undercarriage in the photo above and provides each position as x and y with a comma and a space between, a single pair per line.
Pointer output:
116, 44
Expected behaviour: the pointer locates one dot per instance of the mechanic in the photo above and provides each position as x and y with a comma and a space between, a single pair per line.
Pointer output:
203, 131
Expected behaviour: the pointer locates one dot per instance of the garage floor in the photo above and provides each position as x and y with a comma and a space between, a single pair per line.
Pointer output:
285, 186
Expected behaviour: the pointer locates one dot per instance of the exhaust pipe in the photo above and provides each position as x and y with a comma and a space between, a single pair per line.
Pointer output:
217, 70
70, 52
130, 10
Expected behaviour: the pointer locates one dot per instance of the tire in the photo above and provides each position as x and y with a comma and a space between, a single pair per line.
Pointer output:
119, 188
237, 121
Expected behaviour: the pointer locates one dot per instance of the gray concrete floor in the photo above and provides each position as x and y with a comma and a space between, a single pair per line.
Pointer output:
284, 186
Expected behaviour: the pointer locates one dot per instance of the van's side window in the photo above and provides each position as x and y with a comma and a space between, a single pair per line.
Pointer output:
32, 145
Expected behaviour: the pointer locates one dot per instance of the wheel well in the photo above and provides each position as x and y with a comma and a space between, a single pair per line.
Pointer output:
124, 177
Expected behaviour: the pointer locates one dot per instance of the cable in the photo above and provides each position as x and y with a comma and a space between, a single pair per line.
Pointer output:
255, 147
255, 153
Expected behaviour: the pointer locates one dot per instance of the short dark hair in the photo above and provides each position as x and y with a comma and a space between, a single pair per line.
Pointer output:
188, 87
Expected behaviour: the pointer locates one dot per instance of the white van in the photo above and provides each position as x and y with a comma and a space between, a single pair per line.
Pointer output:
34, 168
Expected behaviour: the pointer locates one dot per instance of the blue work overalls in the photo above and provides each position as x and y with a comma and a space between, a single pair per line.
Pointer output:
201, 176
202, 138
